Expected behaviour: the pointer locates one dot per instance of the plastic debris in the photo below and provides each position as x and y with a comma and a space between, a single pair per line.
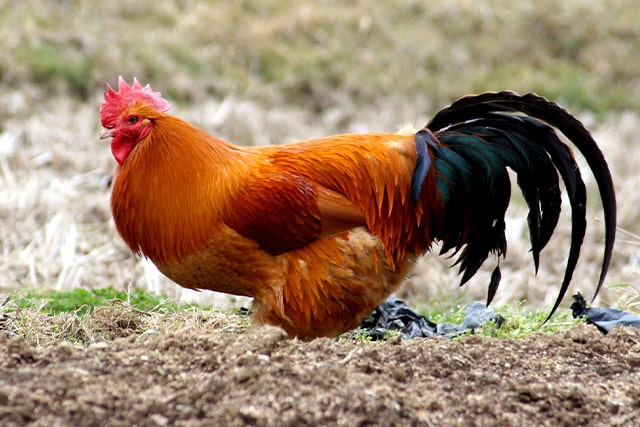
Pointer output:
395, 315
604, 318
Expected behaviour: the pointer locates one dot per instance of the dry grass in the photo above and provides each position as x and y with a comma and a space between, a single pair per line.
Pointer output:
260, 73
107, 322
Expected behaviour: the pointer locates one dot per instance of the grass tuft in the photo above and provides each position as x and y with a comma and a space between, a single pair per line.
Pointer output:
85, 317
83, 301
521, 322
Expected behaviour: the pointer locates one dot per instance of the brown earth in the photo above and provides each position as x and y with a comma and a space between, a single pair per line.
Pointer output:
212, 377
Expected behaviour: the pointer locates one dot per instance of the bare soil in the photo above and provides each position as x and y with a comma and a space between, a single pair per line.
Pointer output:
259, 377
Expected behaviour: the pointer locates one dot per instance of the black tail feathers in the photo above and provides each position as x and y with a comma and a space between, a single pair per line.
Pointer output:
478, 137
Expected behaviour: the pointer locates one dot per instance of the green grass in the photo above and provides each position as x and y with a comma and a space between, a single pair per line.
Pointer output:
49, 64
83, 301
519, 322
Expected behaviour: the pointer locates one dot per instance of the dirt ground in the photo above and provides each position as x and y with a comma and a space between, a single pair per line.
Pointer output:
177, 377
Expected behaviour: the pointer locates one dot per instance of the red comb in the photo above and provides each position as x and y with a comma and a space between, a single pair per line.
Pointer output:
115, 102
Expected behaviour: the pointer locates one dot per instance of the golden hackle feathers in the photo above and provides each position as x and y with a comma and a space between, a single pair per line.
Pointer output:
176, 181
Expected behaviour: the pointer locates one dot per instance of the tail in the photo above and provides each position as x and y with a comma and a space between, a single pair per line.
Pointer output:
473, 141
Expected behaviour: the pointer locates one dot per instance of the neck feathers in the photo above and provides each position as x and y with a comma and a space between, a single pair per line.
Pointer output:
165, 196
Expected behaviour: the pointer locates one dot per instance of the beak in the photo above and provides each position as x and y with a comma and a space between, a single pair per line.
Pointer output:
106, 133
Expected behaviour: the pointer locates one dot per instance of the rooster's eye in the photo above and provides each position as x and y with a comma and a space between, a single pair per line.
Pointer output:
131, 120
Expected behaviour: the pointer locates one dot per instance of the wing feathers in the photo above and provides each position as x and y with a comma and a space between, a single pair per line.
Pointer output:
280, 212
338, 213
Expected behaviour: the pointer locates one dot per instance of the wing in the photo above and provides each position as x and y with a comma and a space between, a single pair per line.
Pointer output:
286, 212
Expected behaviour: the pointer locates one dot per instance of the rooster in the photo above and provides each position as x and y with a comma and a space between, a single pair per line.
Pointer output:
320, 232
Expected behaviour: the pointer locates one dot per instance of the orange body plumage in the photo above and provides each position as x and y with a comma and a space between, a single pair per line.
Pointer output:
320, 232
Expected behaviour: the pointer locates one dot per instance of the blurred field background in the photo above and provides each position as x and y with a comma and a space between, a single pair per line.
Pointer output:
271, 72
